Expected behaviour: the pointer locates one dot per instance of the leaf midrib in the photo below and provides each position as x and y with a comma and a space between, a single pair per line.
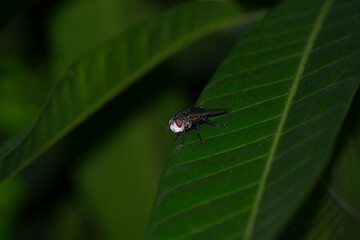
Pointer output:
318, 23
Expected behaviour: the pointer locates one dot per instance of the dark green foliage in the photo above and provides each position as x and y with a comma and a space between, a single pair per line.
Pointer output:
332, 210
288, 85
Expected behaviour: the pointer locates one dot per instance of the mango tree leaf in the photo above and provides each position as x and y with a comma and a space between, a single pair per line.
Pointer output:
333, 209
287, 85
102, 74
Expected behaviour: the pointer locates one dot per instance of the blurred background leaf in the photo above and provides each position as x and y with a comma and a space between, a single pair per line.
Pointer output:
78, 26
18, 88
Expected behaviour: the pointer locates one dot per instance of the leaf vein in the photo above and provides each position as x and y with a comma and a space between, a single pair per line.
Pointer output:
222, 220
282, 46
318, 22
278, 34
213, 173
233, 131
183, 211
317, 49
330, 64
299, 143
260, 66
245, 90
324, 89
228, 150
313, 118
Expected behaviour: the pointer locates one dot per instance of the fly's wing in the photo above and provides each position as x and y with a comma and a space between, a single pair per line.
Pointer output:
199, 112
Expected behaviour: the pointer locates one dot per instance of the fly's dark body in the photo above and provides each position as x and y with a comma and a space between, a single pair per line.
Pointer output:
192, 117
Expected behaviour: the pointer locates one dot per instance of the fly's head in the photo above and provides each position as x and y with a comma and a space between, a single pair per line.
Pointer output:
176, 124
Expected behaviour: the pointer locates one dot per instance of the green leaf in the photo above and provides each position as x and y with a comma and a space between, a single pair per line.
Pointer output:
105, 72
78, 26
288, 85
333, 209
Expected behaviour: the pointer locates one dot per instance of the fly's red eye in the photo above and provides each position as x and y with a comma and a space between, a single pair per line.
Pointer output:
178, 122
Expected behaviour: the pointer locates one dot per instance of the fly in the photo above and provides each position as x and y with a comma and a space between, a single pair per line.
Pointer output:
192, 117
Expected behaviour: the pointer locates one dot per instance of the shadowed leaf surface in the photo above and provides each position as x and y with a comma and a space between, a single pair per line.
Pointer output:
333, 209
103, 73
288, 85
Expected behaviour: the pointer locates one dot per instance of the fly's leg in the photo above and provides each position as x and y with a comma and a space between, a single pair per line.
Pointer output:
177, 136
212, 124
183, 137
197, 132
